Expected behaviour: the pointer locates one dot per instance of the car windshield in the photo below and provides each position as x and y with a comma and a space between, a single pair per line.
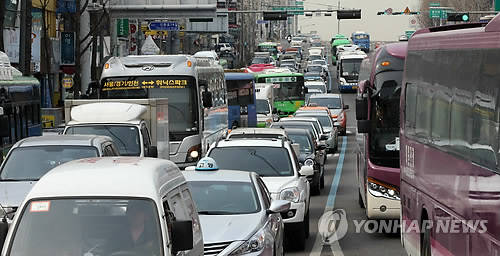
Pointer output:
331, 103
260, 60
224, 197
320, 87
263, 107
296, 125
315, 57
88, 227
41, 160
265, 161
361, 36
324, 120
303, 141
126, 138
314, 68
319, 62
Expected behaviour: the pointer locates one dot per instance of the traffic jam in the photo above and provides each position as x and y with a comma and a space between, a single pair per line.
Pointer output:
188, 155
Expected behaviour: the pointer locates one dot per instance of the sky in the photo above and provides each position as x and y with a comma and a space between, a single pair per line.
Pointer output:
380, 28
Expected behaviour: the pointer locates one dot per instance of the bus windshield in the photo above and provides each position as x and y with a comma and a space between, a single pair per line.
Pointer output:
286, 88
384, 140
361, 36
181, 92
350, 67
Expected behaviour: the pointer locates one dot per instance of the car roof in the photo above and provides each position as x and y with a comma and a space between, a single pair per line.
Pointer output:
218, 175
293, 131
109, 176
299, 119
314, 83
66, 140
251, 143
311, 108
326, 95
257, 131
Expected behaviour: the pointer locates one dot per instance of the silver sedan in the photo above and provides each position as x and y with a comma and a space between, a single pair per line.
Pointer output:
236, 213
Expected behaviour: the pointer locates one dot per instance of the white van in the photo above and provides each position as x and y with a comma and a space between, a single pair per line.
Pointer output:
107, 206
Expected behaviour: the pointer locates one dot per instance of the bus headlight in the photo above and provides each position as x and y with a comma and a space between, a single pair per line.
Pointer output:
380, 189
193, 153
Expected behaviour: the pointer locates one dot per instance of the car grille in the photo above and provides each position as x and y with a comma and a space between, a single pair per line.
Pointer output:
215, 248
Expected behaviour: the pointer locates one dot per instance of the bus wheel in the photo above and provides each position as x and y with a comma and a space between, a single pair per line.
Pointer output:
425, 242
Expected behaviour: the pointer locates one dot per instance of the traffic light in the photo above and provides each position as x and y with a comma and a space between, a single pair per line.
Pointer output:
275, 16
309, 14
348, 14
328, 14
459, 16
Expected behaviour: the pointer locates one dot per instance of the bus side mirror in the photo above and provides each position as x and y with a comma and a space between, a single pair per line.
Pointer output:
207, 99
364, 126
361, 109
275, 111
306, 90
4, 126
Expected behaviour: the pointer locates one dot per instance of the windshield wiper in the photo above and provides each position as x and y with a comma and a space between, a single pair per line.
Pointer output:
254, 153
215, 213
19, 179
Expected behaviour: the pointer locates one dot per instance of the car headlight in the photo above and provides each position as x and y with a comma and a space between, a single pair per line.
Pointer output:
290, 194
309, 162
255, 244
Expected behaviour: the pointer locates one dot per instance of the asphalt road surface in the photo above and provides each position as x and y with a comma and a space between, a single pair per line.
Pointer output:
341, 192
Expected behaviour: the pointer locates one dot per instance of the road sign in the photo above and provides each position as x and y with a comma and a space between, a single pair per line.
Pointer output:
294, 10
122, 28
444, 14
409, 33
413, 22
388, 11
407, 11
299, 3
435, 13
497, 5
167, 26
434, 4
67, 82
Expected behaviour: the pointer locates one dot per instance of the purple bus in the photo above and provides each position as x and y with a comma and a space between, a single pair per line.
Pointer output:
450, 116
377, 112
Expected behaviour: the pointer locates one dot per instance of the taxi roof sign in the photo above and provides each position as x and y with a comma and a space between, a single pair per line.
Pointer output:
206, 164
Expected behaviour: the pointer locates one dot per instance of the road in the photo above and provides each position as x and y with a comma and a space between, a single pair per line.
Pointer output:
343, 194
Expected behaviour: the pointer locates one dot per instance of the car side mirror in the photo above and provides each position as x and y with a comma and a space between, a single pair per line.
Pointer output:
279, 206
153, 151
306, 171
346, 106
364, 126
4, 228
182, 236
323, 137
4, 126
207, 99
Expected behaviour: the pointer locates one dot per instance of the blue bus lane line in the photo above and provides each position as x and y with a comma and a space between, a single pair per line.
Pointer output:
336, 179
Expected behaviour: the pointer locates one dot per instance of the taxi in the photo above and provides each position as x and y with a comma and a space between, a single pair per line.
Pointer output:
236, 213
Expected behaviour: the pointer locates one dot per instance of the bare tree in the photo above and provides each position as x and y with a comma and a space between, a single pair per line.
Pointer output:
458, 5
2, 14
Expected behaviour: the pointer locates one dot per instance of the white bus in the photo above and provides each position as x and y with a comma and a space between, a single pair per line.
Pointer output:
193, 87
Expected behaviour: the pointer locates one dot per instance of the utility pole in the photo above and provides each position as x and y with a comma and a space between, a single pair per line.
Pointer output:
2, 17
25, 37
338, 21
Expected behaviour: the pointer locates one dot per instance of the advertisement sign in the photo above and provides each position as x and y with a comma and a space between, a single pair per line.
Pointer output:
11, 43
132, 32
67, 48
36, 35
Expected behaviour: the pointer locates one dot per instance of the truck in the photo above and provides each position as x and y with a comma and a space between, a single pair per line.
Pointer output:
362, 39
139, 127
264, 102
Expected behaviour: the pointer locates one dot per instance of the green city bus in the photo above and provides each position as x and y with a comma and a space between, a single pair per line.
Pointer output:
270, 47
288, 90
